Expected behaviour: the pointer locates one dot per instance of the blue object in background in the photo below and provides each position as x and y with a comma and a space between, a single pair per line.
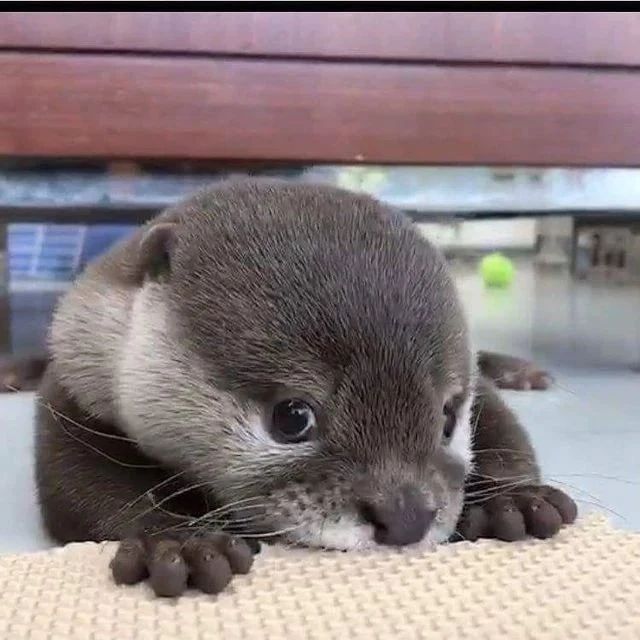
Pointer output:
101, 237
57, 252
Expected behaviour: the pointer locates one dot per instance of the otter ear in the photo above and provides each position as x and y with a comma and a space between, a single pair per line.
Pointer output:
155, 249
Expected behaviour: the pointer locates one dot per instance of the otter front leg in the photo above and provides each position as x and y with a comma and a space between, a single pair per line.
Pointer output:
509, 372
504, 496
94, 484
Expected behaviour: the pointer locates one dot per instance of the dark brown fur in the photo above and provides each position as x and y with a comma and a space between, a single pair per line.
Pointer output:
278, 289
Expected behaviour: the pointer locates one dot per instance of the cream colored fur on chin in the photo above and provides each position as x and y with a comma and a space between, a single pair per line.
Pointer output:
347, 534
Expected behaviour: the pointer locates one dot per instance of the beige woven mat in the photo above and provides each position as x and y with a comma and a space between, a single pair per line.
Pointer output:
583, 584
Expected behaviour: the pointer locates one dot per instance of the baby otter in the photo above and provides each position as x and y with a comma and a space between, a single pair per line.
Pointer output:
283, 361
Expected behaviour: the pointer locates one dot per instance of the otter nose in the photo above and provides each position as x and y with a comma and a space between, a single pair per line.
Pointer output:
402, 520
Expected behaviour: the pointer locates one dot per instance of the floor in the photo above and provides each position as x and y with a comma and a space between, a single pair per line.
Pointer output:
586, 429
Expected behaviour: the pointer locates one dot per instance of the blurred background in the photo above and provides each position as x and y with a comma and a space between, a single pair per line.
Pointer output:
505, 133
571, 231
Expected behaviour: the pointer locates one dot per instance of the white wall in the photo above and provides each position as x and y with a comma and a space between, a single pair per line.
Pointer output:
442, 190
483, 235
437, 189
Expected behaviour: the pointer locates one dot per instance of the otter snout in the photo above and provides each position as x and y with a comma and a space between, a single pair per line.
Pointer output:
402, 519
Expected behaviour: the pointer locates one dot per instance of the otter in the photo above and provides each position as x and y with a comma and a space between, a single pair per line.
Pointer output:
277, 361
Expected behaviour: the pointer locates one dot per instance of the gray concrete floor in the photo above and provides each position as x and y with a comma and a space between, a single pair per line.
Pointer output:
586, 429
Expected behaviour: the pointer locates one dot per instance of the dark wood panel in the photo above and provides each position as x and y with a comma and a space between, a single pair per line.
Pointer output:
88, 106
544, 37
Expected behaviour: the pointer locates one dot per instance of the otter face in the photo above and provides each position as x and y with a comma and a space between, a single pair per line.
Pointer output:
310, 361
376, 463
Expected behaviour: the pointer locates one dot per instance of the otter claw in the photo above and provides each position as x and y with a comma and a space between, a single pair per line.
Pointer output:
172, 564
538, 511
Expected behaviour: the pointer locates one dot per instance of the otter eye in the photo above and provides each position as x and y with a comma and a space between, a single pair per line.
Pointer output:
449, 421
293, 420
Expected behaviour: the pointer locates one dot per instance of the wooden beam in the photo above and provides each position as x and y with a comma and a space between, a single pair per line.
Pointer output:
122, 106
584, 38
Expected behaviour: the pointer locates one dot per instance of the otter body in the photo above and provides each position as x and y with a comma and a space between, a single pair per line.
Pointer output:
280, 361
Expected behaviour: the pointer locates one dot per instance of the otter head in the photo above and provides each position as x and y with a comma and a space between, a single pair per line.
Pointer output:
302, 352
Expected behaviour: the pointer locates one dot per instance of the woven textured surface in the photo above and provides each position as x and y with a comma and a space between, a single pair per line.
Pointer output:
583, 584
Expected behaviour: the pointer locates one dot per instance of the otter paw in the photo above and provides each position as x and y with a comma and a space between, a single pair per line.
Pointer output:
523, 375
171, 565
537, 510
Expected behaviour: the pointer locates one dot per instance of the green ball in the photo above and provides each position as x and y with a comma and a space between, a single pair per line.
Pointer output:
497, 270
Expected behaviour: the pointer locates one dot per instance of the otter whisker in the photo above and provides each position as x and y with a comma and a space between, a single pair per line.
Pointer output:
478, 411
59, 414
520, 454
102, 453
271, 534
215, 514
573, 487
148, 493
485, 477
171, 496
494, 492
95, 432
484, 495
237, 505
245, 503
601, 476
603, 507
189, 522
